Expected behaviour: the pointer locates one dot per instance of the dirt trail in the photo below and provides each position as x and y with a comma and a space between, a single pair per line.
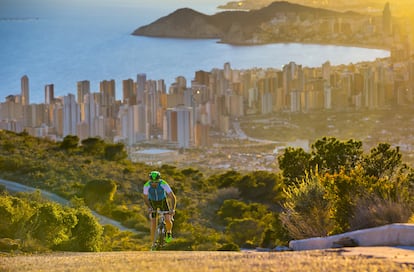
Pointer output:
188, 261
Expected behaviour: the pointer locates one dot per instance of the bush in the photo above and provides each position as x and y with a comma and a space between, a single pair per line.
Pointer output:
99, 191
7, 244
229, 247
306, 211
51, 224
374, 211
180, 244
86, 234
244, 231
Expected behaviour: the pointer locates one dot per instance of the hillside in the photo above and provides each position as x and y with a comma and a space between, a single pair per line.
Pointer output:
334, 188
229, 26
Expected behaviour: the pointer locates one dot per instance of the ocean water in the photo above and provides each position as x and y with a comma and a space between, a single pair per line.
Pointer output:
62, 42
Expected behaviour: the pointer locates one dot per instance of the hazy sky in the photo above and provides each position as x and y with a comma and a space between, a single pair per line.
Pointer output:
39, 7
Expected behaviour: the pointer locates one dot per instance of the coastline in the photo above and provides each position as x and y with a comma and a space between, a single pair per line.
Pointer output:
367, 46
258, 43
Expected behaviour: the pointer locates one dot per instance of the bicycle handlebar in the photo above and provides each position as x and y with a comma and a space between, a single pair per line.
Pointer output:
163, 212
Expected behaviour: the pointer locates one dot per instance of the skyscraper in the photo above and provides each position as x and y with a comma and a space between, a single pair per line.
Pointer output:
49, 94
386, 19
107, 91
178, 126
70, 115
91, 112
141, 82
25, 90
128, 92
83, 89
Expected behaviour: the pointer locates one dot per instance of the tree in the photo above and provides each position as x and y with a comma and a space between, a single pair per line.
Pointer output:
245, 231
330, 155
93, 146
99, 191
87, 233
260, 186
227, 179
51, 224
294, 163
69, 142
382, 161
115, 152
231, 209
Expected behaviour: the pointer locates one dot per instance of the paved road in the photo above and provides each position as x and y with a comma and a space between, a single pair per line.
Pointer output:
17, 187
241, 135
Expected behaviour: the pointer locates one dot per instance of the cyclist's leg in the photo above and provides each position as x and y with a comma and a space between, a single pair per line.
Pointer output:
153, 225
168, 219
153, 220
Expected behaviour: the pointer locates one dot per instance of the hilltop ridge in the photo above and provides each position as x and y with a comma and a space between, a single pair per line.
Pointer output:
236, 27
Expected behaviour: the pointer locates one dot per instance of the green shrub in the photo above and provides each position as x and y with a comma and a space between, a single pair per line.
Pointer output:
229, 247
305, 210
374, 211
180, 244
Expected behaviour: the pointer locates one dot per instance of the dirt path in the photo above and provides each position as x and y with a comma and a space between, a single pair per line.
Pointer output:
397, 254
356, 259
17, 187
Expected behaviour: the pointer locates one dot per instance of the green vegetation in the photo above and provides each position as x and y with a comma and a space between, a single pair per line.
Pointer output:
44, 225
333, 188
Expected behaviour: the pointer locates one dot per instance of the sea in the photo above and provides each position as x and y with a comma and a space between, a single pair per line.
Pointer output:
62, 42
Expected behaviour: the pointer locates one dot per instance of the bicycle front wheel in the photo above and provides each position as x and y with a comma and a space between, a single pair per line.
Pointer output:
161, 236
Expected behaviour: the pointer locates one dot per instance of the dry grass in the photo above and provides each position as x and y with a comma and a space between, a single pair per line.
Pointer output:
315, 260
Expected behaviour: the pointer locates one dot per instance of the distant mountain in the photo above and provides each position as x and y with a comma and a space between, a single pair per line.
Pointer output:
228, 26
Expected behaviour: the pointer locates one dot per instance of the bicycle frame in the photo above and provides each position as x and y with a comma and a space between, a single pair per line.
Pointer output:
160, 232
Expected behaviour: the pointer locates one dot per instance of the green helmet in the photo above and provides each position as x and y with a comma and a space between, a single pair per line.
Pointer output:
154, 175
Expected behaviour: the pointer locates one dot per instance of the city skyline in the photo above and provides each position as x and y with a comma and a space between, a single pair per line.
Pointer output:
64, 48
183, 112
211, 100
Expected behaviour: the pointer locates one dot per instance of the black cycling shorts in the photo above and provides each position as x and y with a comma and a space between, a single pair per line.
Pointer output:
162, 205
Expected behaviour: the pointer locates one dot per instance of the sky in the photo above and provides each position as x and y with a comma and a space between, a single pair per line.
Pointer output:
39, 7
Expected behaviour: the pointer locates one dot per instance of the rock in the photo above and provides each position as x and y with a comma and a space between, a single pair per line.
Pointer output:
345, 242
388, 235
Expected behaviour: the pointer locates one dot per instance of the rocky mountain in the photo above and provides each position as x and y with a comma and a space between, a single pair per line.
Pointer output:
227, 26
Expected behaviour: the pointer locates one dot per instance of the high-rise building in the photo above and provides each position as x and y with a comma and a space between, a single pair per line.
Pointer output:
141, 87
107, 91
49, 94
234, 104
91, 113
202, 77
387, 19
127, 130
25, 90
70, 115
129, 92
107, 98
227, 71
179, 85
84, 88
178, 128
201, 135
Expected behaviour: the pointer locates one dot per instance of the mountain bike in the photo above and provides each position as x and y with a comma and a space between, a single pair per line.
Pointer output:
160, 232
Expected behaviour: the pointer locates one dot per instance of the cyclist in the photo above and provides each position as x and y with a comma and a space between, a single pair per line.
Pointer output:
156, 191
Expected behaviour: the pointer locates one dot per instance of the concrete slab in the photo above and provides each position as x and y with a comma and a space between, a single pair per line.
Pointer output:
388, 235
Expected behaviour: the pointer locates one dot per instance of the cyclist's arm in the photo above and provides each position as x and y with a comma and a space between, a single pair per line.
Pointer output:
147, 202
173, 200
145, 193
